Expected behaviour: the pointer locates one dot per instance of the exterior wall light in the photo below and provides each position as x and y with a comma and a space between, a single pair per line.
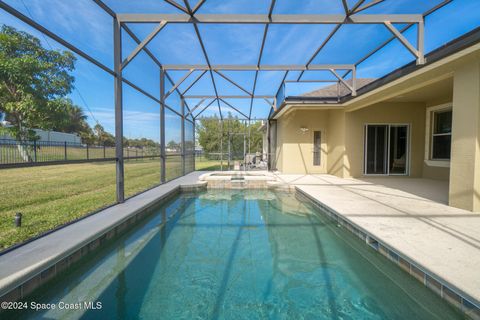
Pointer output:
303, 130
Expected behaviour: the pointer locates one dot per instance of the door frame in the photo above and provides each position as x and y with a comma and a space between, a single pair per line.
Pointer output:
408, 155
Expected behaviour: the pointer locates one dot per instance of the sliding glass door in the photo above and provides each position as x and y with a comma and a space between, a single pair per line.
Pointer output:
376, 149
386, 149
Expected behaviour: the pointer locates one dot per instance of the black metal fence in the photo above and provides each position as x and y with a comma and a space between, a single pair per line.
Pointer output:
25, 153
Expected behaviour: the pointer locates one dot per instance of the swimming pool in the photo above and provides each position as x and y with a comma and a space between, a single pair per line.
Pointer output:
250, 254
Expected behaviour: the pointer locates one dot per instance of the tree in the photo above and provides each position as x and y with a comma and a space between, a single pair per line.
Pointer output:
77, 123
103, 137
212, 133
256, 137
88, 136
33, 82
172, 145
141, 143
76, 119
71, 119
209, 134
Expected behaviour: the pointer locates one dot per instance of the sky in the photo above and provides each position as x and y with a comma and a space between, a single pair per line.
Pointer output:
85, 25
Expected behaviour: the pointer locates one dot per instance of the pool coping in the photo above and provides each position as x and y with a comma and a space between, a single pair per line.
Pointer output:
447, 291
26, 268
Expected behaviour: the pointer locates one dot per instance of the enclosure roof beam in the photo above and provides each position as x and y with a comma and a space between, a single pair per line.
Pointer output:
199, 37
227, 97
176, 85
366, 6
198, 6
345, 83
234, 67
356, 6
176, 5
142, 44
268, 19
194, 82
111, 13
53, 36
386, 42
322, 45
208, 105
187, 6
335, 30
69, 46
194, 108
265, 32
233, 82
310, 81
228, 104
345, 7
417, 53
271, 104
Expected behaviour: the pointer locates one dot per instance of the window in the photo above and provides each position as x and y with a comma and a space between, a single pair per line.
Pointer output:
441, 134
317, 142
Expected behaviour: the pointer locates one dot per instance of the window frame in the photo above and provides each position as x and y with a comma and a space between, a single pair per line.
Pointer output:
432, 111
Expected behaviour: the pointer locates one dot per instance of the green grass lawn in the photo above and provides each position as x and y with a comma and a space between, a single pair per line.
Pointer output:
49, 196
208, 165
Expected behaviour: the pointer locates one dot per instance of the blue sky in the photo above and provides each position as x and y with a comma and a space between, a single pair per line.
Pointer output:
85, 25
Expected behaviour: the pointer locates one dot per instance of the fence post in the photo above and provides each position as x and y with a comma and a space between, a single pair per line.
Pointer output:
104, 151
34, 150
88, 156
65, 150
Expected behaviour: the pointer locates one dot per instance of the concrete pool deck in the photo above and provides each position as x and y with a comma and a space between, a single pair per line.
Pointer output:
442, 240
27, 267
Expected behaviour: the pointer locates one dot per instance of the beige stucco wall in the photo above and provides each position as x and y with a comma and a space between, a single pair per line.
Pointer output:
294, 148
412, 114
337, 163
343, 138
435, 173
464, 191
279, 146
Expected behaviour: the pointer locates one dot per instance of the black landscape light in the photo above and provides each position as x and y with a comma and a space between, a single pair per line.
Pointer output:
18, 219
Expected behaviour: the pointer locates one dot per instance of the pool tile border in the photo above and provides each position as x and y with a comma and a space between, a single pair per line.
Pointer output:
25, 288
445, 290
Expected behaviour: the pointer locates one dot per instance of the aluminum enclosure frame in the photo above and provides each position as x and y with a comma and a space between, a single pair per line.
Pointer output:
189, 15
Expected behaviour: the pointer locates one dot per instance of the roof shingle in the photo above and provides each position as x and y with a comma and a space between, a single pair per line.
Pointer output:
337, 90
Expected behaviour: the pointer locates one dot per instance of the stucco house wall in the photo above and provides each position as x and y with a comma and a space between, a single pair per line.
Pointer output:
412, 114
295, 148
343, 138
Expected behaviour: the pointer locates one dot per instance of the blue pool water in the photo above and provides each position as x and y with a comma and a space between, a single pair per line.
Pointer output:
239, 255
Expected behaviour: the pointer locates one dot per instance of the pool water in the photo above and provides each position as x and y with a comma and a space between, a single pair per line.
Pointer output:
248, 254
